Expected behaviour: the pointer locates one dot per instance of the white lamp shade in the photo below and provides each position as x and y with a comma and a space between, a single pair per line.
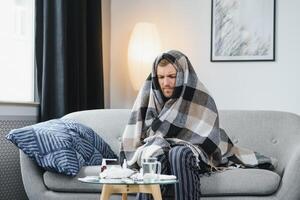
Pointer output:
144, 46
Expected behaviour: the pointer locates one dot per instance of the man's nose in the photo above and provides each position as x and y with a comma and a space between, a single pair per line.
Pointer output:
166, 81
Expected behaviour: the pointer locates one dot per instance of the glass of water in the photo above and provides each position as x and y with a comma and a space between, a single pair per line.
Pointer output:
151, 169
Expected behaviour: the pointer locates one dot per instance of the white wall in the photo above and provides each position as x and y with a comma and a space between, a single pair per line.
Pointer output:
185, 25
105, 4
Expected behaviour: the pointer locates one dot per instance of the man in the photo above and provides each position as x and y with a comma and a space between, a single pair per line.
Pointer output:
175, 119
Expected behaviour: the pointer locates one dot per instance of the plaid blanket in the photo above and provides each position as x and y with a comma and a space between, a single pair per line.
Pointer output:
190, 117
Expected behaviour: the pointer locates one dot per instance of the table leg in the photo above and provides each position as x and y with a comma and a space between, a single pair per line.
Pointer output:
106, 192
124, 196
156, 193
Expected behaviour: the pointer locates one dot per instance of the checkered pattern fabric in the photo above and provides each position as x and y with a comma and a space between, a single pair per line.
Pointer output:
189, 117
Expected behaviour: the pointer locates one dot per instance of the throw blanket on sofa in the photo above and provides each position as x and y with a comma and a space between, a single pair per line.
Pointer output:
190, 117
61, 145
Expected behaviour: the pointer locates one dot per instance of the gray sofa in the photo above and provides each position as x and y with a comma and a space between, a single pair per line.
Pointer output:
272, 133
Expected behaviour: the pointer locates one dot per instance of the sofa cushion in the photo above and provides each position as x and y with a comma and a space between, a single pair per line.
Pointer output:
62, 183
240, 182
230, 182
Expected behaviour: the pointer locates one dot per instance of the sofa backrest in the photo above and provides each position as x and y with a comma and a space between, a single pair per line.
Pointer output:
108, 123
271, 133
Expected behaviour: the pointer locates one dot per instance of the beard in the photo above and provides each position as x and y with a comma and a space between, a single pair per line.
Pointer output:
167, 92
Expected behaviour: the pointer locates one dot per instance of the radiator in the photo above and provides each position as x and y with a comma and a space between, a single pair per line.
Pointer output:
11, 185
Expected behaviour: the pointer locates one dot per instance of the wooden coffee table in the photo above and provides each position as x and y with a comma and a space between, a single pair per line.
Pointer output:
125, 186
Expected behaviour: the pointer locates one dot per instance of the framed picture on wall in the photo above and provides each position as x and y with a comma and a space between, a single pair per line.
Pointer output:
242, 30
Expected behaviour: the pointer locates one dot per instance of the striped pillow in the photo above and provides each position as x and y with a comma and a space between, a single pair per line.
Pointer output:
61, 145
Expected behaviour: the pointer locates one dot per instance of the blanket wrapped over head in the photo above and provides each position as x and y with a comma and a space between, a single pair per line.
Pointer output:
189, 117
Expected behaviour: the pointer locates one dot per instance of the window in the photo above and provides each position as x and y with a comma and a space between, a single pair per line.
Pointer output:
17, 51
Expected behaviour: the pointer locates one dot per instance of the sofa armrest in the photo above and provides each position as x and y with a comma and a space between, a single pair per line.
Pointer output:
32, 176
290, 182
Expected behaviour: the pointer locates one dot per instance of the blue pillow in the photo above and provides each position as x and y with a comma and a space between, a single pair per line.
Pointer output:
61, 145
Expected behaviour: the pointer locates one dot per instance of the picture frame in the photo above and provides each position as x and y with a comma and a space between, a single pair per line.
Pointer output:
242, 30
